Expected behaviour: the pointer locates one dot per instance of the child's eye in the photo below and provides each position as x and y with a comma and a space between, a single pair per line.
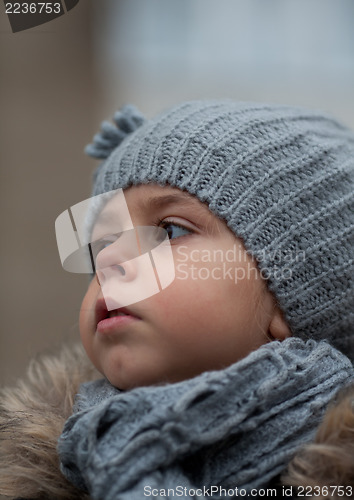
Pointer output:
174, 230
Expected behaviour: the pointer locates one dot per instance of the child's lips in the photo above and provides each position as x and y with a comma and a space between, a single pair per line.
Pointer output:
109, 321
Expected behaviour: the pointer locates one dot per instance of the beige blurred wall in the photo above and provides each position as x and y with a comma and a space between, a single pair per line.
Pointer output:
48, 102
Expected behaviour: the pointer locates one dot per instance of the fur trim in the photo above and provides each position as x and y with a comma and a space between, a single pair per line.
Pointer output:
32, 416
329, 460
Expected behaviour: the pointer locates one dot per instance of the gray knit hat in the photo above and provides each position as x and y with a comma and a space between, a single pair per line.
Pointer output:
281, 177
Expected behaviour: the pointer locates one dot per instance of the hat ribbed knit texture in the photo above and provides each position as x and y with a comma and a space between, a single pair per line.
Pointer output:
281, 177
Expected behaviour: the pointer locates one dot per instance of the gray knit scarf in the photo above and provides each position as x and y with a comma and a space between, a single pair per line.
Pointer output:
236, 427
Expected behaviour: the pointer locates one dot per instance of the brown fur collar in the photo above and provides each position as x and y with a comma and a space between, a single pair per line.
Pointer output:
329, 460
33, 413
32, 416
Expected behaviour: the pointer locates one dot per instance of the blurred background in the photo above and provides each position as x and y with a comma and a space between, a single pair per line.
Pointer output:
61, 79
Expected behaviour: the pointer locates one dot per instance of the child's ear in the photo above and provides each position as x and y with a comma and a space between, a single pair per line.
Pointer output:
278, 328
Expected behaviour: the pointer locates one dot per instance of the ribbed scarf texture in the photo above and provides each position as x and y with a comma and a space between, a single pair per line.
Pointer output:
237, 427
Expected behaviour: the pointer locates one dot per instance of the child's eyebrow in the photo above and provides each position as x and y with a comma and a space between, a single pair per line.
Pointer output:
181, 199
169, 199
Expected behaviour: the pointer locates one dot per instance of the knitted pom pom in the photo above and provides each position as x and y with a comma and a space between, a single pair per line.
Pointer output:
127, 120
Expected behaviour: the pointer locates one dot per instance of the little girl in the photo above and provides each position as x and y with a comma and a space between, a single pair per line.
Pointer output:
217, 370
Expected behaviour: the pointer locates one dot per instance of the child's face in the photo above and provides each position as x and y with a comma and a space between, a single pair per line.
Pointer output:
202, 321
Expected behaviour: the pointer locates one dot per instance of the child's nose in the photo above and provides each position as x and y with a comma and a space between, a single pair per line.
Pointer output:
124, 272
136, 266
117, 259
